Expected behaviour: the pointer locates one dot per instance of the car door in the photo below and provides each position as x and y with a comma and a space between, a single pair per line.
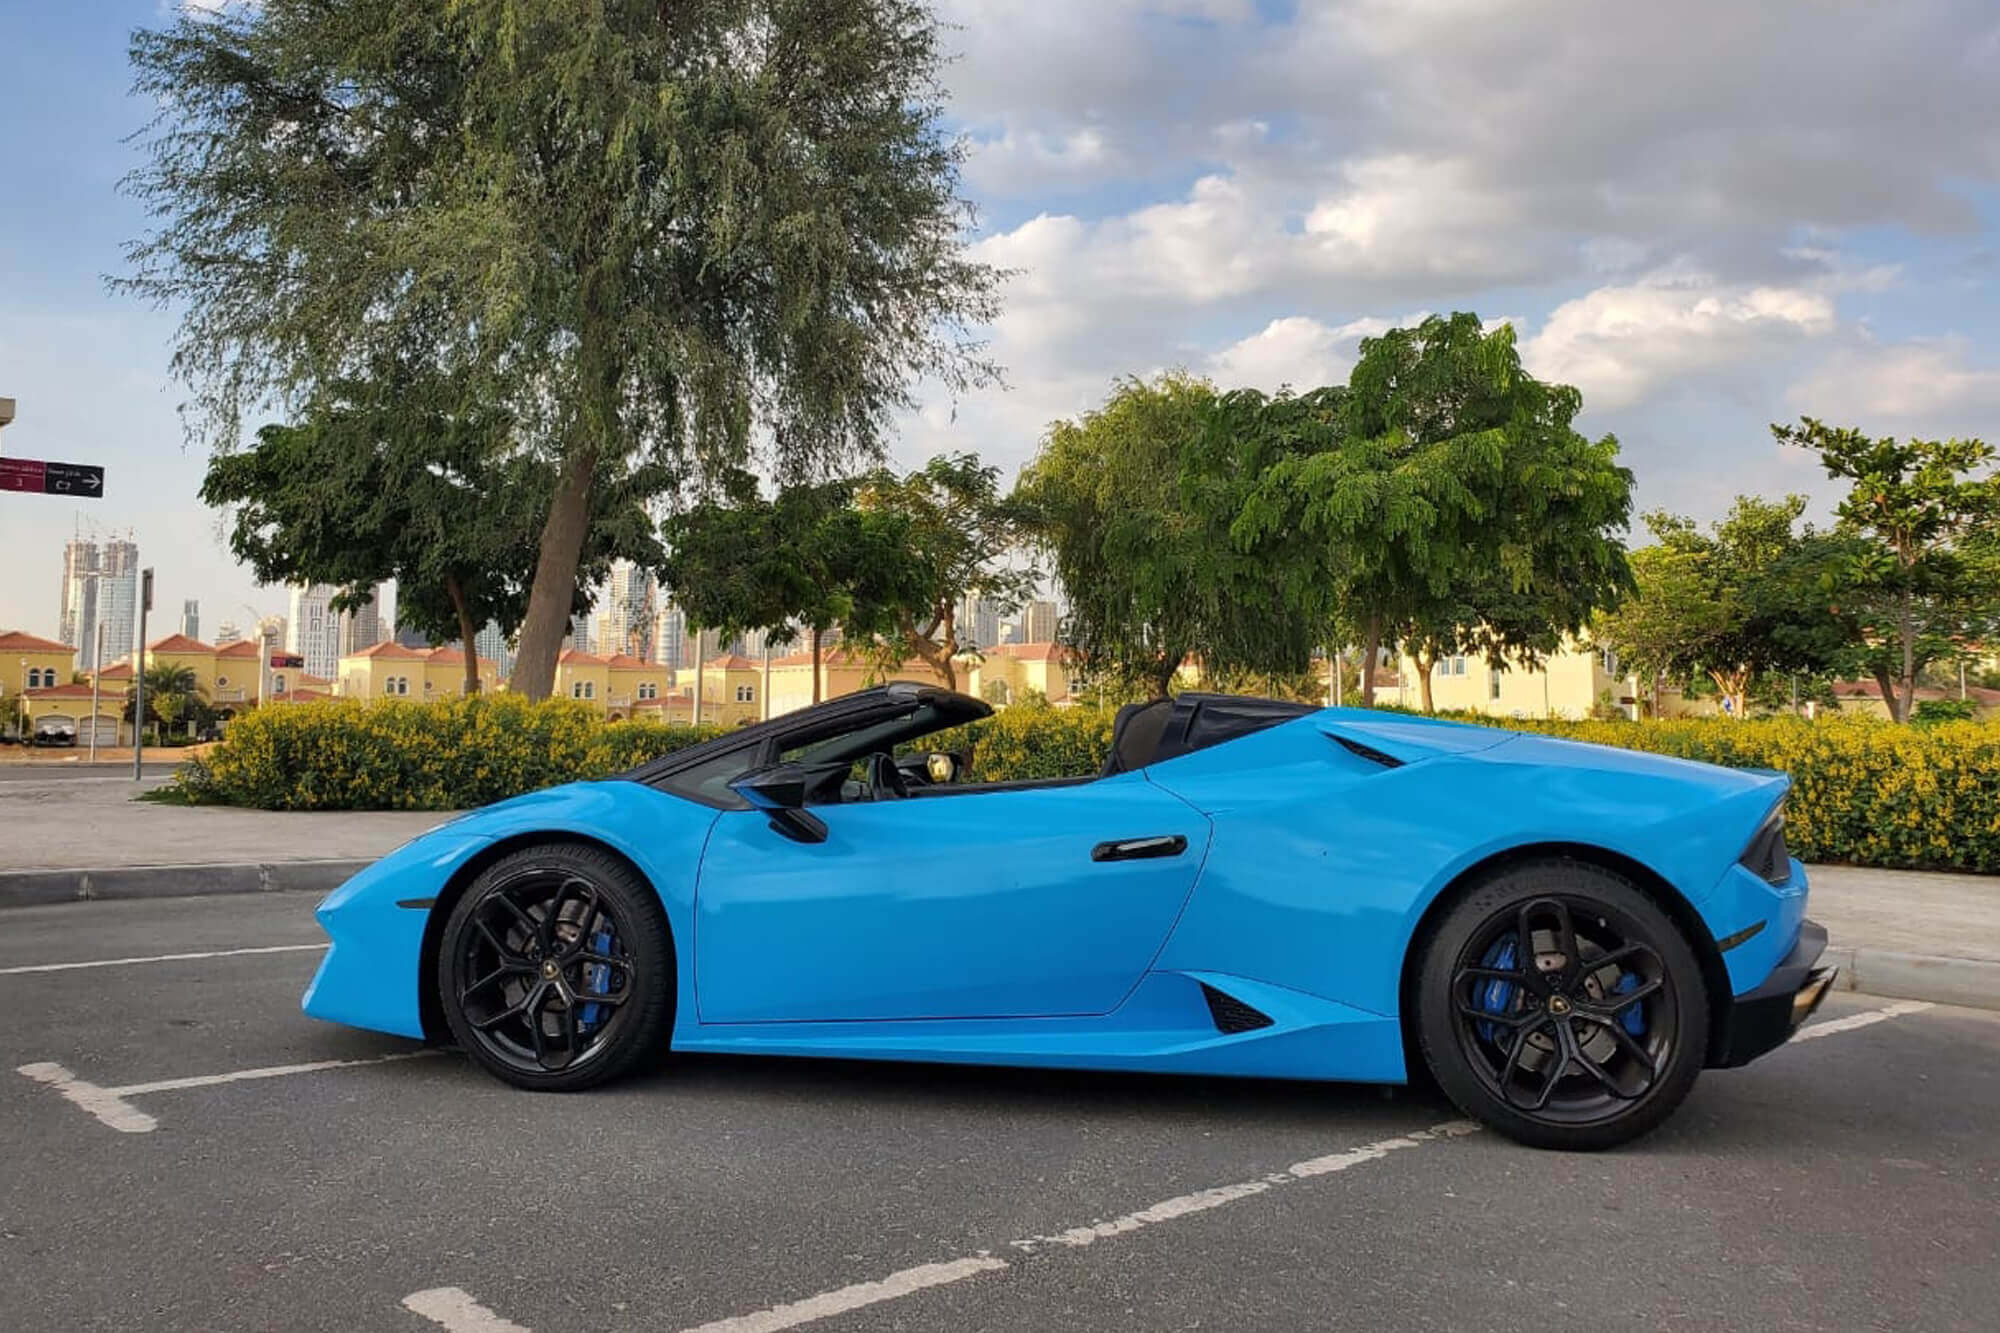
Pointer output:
1015, 902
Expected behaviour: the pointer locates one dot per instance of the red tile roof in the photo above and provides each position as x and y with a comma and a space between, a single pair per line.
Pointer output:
20, 641
390, 650
732, 662
1030, 652
238, 648
178, 643
573, 657
627, 662
119, 670
58, 692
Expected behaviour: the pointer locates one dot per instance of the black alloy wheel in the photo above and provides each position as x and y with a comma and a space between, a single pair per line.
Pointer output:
1558, 1003
557, 971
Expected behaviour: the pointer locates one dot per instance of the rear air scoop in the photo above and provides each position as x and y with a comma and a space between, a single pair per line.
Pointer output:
1393, 741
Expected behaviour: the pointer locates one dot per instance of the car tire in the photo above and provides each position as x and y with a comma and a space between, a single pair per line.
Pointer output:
520, 979
1609, 1033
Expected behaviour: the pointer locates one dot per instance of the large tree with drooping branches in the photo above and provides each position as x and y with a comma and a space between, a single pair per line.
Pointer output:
657, 234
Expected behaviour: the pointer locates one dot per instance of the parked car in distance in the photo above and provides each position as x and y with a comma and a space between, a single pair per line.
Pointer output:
55, 731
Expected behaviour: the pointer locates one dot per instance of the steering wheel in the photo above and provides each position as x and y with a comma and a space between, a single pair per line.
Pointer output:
884, 778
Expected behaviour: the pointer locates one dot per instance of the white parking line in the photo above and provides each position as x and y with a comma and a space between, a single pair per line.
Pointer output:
106, 1105
458, 1312
911, 1280
111, 1108
157, 958
1861, 1020
830, 1303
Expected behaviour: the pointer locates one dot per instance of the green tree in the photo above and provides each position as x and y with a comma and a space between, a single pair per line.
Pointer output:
1914, 583
807, 558
174, 694
960, 535
651, 232
1133, 503
1735, 604
381, 479
1455, 506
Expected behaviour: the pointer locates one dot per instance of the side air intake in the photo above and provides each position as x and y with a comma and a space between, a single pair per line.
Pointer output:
1231, 1015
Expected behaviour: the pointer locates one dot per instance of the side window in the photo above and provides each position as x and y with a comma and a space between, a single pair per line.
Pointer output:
708, 782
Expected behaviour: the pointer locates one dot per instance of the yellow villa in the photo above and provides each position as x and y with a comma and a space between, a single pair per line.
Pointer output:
582, 676
634, 684
383, 671
444, 673
1005, 673
29, 662
1569, 683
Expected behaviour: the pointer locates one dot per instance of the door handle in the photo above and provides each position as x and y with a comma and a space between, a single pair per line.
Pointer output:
1139, 849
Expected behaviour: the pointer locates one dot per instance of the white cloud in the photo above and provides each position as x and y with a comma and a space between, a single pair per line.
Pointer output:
1620, 343
1928, 385
1297, 351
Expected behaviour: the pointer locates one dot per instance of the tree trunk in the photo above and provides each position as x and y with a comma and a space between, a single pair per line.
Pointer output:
1425, 665
554, 590
1371, 648
816, 660
1886, 682
467, 632
1163, 675
1907, 686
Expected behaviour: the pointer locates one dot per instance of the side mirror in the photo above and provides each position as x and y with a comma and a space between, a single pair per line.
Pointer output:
780, 792
942, 769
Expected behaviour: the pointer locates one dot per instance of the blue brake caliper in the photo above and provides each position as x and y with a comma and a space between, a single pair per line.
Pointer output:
597, 976
1494, 996
1633, 1018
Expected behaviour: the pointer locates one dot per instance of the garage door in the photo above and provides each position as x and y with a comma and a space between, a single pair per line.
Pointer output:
107, 730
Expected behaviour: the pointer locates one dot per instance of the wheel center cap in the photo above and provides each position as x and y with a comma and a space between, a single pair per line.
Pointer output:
549, 971
1558, 1004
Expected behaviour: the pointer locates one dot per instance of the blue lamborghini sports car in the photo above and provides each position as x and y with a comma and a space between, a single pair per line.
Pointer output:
1562, 936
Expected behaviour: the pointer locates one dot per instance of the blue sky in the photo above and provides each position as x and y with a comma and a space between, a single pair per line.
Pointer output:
1708, 216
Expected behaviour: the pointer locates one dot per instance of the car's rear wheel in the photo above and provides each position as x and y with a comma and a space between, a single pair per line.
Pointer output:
1559, 1004
557, 970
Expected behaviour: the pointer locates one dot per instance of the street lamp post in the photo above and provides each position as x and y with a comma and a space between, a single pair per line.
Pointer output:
139, 675
96, 684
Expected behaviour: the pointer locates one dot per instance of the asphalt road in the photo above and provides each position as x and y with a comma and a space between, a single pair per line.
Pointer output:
1849, 1182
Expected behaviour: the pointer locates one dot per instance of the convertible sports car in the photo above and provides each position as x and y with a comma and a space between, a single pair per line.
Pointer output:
1562, 935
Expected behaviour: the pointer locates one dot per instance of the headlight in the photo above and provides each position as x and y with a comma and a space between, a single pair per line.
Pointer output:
1767, 856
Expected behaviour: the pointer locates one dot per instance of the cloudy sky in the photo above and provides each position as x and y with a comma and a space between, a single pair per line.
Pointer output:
1708, 215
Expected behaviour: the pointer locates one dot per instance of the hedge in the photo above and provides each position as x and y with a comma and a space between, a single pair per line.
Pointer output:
1865, 792
343, 754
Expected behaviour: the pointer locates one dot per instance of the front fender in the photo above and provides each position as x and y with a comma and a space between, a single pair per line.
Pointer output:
371, 977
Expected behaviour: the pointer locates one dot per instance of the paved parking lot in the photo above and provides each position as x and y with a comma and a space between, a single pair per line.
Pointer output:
166, 1163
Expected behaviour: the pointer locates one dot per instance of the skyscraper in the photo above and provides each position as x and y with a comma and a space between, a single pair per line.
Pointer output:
978, 622
670, 637
100, 586
191, 618
226, 633
492, 646
1038, 622
627, 605
312, 630
362, 628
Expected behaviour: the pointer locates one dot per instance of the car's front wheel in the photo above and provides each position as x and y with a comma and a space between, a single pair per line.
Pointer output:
1559, 1004
557, 970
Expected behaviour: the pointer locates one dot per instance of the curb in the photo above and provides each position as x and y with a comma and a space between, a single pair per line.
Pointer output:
1971, 982
32, 888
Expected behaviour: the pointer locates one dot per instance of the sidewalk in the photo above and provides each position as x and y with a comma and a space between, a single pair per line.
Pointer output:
78, 835
1896, 933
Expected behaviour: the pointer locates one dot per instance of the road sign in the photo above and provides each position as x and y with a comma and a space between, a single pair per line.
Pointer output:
292, 661
32, 474
22, 474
